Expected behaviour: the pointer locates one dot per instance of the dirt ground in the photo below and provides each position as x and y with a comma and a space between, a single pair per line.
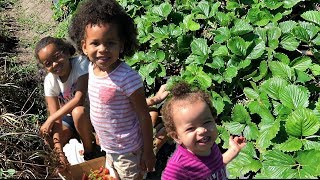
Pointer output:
30, 21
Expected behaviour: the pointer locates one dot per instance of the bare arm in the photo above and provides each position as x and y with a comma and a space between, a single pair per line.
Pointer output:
235, 146
159, 97
139, 103
57, 113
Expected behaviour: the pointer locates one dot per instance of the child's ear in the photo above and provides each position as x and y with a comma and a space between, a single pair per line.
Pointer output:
175, 137
83, 45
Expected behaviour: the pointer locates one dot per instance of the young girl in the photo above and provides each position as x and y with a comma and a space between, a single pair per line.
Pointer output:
118, 109
65, 89
189, 119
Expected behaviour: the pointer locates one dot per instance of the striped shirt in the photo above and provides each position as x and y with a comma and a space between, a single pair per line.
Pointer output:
185, 165
111, 113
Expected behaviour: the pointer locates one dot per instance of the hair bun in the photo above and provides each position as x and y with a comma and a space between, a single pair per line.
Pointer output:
181, 89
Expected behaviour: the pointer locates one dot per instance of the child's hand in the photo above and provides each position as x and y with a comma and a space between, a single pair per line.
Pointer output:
148, 161
45, 128
161, 94
237, 143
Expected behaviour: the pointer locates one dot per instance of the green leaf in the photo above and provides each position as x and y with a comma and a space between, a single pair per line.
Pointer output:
273, 86
196, 59
203, 7
222, 34
251, 132
204, 79
289, 42
301, 34
267, 133
293, 96
290, 145
316, 40
311, 28
234, 128
315, 69
301, 63
313, 16
278, 165
243, 163
241, 27
290, 3
281, 70
282, 57
237, 45
217, 102
163, 10
230, 73
263, 69
309, 165
257, 51
199, 47
302, 122
272, 4
287, 26
308, 145
222, 18
190, 24
220, 51
217, 63
240, 114
303, 77
250, 93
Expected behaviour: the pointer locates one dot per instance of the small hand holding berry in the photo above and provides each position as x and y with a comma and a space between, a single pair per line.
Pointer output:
235, 145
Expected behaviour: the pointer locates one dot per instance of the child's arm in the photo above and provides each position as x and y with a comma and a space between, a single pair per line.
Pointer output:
57, 113
235, 145
140, 105
159, 97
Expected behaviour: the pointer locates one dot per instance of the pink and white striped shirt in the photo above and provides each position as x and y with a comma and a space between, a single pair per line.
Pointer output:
111, 113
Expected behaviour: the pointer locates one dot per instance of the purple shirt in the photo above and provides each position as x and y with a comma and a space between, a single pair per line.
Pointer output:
185, 165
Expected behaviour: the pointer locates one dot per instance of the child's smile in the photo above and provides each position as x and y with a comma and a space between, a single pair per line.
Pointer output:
195, 127
103, 46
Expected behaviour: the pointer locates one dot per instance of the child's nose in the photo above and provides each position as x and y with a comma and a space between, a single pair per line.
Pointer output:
201, 130
103, 48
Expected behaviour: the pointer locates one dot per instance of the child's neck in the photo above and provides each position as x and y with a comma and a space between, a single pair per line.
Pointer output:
102, 72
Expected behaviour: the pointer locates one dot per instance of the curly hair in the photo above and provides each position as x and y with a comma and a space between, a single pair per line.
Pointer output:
96, 12
61, 44
182, 91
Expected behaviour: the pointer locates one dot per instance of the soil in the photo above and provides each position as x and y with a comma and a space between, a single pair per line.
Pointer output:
24, 19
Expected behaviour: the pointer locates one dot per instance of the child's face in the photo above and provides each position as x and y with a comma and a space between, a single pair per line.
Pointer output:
102, 45
54, 60
195, 126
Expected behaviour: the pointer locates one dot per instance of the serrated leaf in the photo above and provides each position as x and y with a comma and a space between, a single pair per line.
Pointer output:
241, 27
290, 3
204, 79
302, 77
240, 114
217, 63
301, 34
313, 16
282, 57
301, 63
220, 51
257, 51
267, 133
196, 59
199, 47
302, 122
163, 9
308, 145
222, 18
190, 24
309, 165
250, 93
287, 26
234, 128
273, 86
293, 96
281, 70
315, 69
311, 28
272, 4
217, 102
289, 42
290, 145
230, 73
251, 132
263, 69
237, 45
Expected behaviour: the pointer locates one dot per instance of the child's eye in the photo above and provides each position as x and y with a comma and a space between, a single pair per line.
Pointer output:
190, 129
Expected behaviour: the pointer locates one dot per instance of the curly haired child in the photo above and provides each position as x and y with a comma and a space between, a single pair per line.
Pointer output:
65, 89
118, 110
190, 120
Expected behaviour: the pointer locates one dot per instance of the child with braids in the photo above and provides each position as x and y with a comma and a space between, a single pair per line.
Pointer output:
118, 110
190, 120
65, 89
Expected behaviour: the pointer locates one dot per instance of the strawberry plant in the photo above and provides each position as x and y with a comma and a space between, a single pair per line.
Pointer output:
259, 60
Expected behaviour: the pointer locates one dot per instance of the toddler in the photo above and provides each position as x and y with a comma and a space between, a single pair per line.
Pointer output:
118, 110
189, 119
